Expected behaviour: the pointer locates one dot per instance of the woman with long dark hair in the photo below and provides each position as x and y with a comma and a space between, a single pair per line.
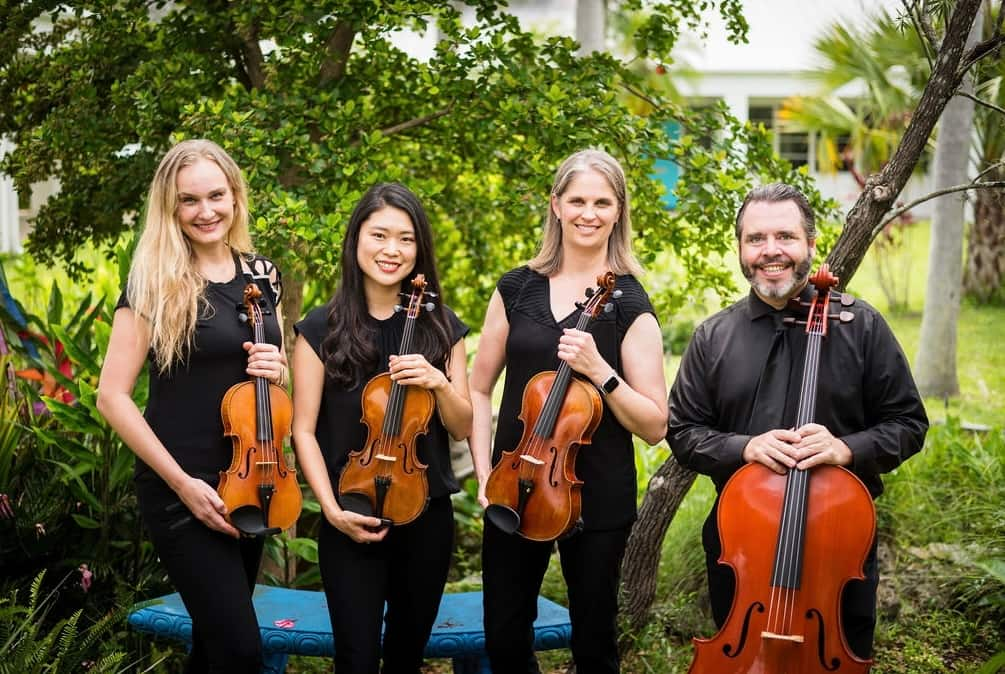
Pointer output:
339, 348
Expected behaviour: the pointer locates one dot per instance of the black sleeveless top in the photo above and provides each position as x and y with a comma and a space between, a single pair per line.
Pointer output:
183, 406
339, 428
607, 466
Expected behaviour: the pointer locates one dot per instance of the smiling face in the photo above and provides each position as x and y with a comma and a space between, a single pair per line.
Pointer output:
205, 208
775, 253
386, 249
588, 209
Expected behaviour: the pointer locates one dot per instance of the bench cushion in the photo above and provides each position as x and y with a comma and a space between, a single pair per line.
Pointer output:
296, 622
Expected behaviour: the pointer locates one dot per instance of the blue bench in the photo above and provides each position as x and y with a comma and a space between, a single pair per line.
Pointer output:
295, 622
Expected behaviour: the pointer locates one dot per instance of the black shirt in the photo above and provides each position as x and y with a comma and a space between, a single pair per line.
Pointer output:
339, 428
183, 406
607, 466
866, 395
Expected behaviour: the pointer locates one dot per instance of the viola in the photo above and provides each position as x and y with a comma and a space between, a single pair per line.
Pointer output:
793, 541
533, 490
386, 479
260, 491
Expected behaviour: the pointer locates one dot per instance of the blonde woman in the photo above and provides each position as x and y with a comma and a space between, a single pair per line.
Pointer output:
179, 317
530, 327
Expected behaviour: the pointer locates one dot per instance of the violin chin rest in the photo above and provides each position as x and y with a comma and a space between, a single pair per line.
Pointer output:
356, 502
250, 520
503, 517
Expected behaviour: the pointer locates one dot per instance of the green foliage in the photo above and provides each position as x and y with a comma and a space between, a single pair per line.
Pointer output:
28, 646
888, 60
332, 106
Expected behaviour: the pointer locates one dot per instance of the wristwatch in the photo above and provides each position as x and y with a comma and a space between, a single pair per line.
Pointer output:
610, 384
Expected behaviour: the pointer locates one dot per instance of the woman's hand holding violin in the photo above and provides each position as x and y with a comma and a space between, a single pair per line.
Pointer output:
266, 360
207, 506
414, 370
578, 349
359, 528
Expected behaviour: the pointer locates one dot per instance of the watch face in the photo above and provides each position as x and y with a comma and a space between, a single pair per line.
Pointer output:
611, 383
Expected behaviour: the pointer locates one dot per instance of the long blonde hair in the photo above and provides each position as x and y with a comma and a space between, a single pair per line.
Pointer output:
620, 257
164, 289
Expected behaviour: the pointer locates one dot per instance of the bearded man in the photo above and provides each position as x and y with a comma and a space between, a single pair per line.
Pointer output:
736, 394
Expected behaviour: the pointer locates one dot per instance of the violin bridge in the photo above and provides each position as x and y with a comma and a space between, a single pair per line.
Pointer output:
531, 459
265, 463
794, 638
385, 457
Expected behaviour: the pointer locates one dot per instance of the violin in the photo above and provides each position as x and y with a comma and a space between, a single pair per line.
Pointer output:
793, 541
260, 491
533, 490
386, 479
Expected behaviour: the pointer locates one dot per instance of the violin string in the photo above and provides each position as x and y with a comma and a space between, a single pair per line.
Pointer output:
262, 406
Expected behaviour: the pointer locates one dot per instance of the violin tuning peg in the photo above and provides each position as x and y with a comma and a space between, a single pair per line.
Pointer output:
590, 292
397, 308
432, 294
791, 320
846, 316
847, 300
429, 306
616, 294
608, 308
579, 305
242, 317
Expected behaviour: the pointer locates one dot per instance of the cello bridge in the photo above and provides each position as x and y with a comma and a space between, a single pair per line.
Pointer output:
794, 638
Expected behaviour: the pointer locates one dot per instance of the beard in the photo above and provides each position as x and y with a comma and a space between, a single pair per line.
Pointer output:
784, 291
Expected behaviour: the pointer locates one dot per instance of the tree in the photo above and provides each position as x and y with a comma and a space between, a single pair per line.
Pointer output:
873, 209
935, 366
317, 103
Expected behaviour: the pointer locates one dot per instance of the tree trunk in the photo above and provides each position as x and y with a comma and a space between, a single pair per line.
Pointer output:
935, 365
591, 26
666, 490
985, 270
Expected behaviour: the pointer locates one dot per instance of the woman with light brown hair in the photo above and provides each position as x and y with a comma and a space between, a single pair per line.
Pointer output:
530, 327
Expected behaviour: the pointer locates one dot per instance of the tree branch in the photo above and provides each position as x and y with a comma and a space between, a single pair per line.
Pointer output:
337, 49
254, 61
993, 167
928, 197
980, 50
412, 123
978, 101
924, 30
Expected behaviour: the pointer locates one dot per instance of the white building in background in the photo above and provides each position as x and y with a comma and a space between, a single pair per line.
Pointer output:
752, 79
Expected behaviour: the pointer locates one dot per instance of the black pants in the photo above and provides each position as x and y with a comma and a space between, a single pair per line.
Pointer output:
858, 601
407, 569
512, 571
215, 576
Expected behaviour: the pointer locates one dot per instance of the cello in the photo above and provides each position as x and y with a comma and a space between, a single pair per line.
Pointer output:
793, 542
386, 479
533, 489
260, 491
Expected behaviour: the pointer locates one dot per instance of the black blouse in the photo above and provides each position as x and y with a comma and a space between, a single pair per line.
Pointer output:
340, 429
607, 466
183, 406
